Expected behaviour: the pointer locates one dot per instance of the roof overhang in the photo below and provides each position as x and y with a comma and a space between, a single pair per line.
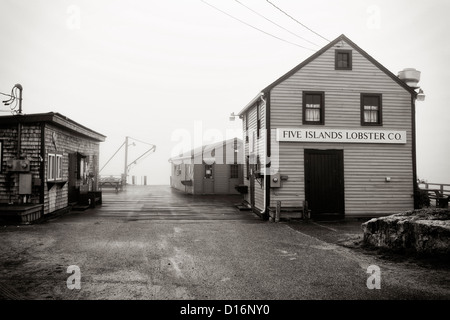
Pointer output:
56, 119
251, 103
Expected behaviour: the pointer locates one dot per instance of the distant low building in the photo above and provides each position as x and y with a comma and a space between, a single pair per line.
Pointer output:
49, 163
210, 169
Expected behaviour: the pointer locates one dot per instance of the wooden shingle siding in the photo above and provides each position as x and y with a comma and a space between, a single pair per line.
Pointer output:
365, 165
56, 196
32, 142
30, 146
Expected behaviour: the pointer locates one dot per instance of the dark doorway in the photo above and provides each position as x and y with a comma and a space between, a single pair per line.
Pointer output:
324, 183
72, 179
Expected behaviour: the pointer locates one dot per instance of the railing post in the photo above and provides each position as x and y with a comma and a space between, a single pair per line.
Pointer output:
278, 211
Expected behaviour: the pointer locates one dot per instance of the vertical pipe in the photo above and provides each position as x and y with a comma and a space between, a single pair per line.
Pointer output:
125, 171
414, 155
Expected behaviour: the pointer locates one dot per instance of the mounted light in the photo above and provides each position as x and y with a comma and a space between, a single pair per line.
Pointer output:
420, 95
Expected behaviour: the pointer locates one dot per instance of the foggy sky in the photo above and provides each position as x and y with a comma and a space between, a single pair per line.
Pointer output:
154, 69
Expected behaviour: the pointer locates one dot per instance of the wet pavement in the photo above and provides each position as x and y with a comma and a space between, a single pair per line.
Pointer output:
156, 243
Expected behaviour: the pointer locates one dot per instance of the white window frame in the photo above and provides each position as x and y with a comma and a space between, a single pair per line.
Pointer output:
58, 166
51, 166
54, 166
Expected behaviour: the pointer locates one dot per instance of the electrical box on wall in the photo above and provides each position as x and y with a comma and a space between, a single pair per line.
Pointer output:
25, 183
275, 180
18, 165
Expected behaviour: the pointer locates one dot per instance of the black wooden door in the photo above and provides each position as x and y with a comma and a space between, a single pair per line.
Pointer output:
324, 183
72, 178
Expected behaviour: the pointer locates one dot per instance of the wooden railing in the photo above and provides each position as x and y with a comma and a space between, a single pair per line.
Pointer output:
436, 191
111, 181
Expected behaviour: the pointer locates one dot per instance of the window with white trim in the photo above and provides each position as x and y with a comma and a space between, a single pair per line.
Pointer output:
51, 166
58, 167
313, 108
54, 167
371, 109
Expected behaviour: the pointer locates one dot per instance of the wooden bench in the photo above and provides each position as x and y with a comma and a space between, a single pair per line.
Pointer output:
116, 183
287, 213
438, 196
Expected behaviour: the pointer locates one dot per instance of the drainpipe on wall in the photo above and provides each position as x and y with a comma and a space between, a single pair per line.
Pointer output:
414, 153
266, 98
42, 166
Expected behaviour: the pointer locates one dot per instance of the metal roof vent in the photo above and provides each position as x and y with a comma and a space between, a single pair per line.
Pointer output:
410, 76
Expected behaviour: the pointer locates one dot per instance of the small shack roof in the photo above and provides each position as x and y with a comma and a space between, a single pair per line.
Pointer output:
55, 119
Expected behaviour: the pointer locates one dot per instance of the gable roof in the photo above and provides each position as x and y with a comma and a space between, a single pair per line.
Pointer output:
320, 52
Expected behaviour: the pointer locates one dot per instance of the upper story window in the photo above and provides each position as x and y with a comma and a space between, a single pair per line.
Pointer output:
371, 109
343, 60
313, 107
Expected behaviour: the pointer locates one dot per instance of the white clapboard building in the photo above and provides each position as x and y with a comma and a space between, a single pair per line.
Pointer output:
335, 134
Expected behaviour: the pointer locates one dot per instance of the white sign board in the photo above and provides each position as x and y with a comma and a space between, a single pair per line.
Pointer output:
341, 135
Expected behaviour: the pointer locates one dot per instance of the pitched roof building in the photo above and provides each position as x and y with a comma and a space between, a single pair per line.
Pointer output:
211, 169
335, 134
49, 163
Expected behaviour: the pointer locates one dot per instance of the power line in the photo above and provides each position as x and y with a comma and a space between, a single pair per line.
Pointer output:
5, 94
262, 16
269, 34
297, 21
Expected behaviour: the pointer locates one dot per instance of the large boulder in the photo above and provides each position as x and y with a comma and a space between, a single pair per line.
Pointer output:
424, 231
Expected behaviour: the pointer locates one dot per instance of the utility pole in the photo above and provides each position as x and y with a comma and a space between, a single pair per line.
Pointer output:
125, 171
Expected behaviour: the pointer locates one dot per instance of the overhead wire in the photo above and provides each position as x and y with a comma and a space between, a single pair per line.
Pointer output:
12, 100
5, 94
273, 22
256, 28
268, 1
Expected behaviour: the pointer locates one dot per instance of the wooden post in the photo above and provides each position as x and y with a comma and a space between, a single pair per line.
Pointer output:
305, 210
278, 212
